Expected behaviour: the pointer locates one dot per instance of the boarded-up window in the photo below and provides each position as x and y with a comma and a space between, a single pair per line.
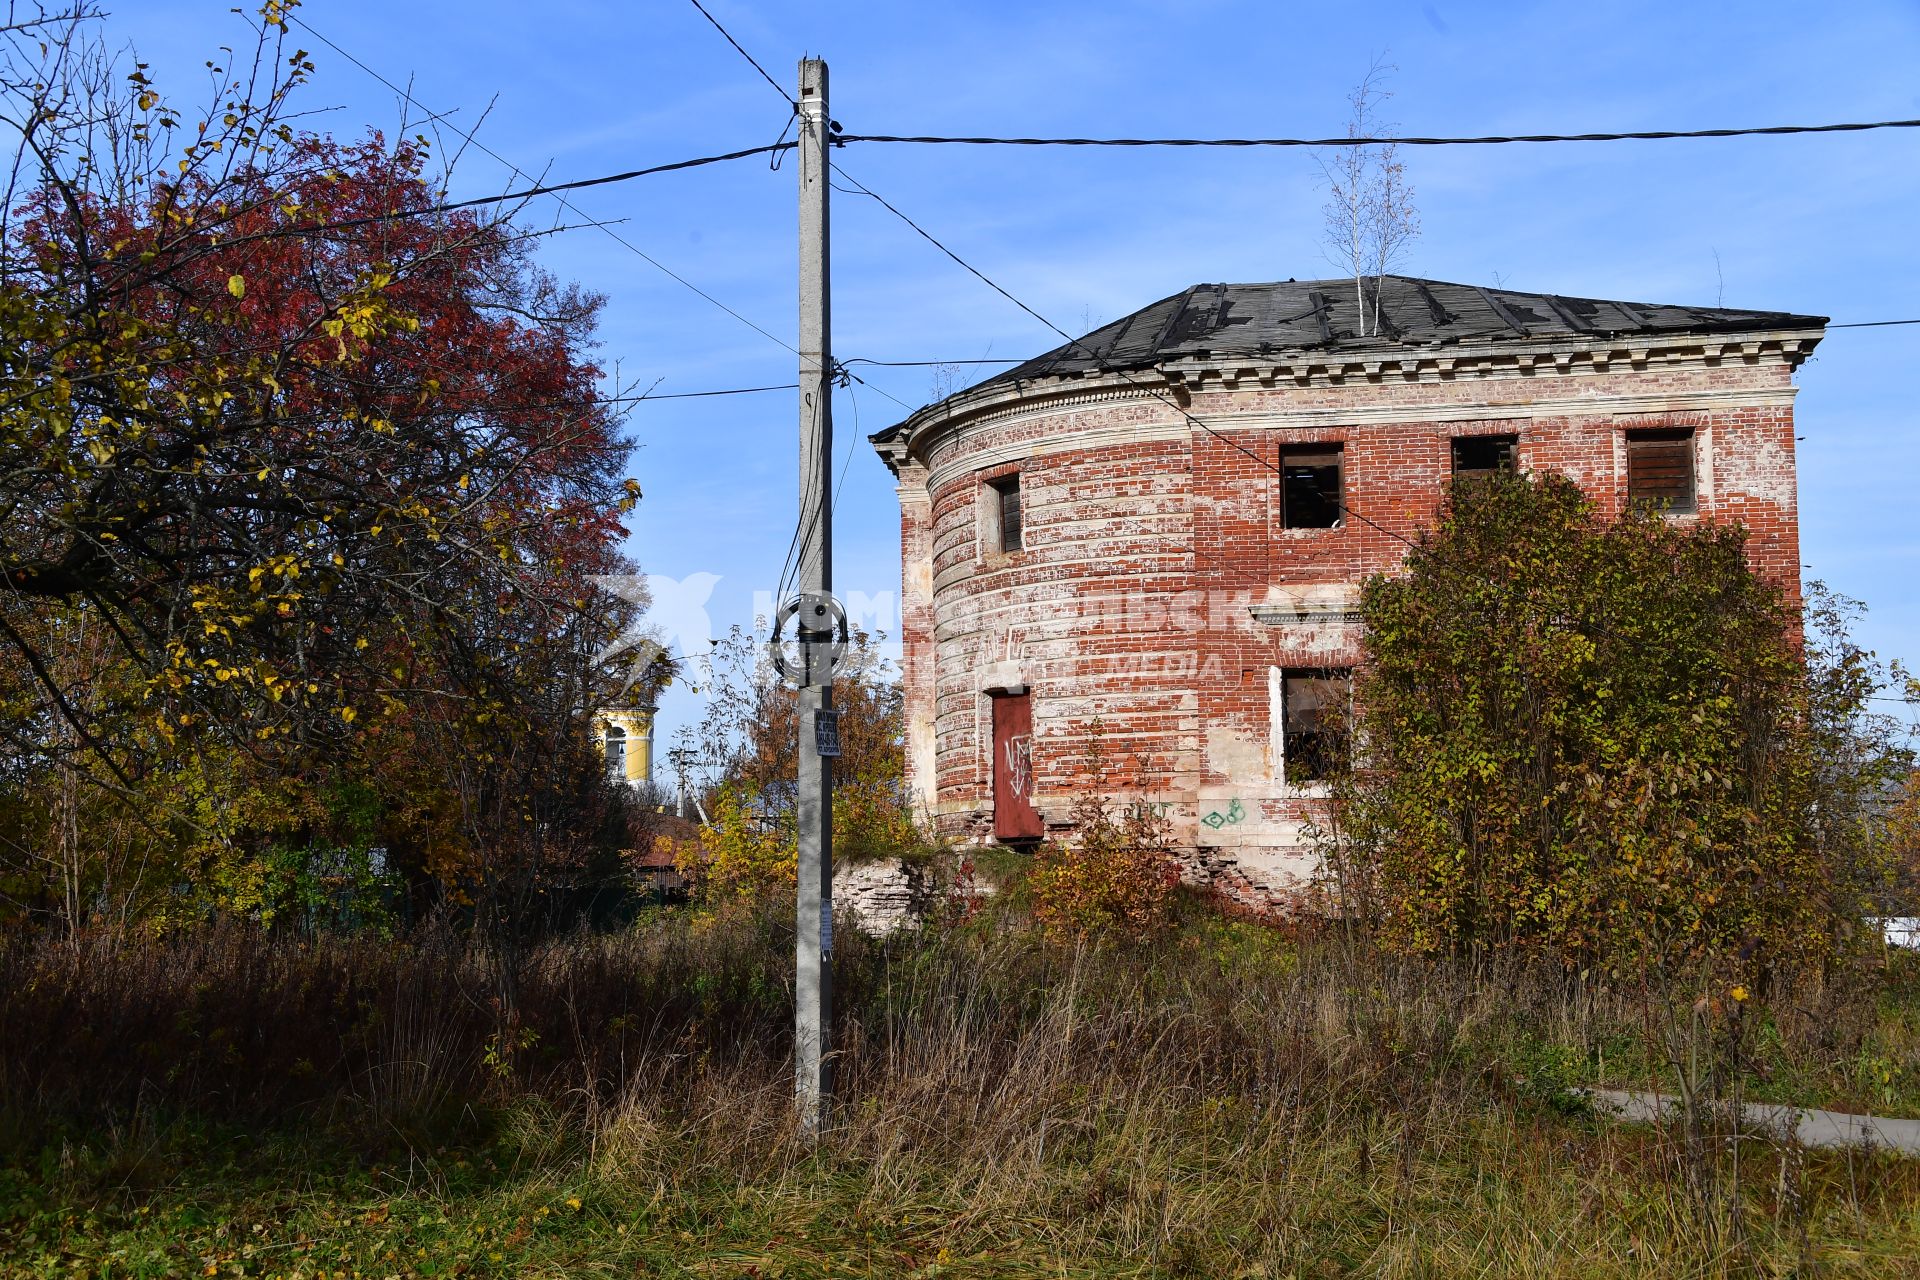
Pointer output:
1660, 469
1001, 529
1315, 704
1310, 495
1483, 455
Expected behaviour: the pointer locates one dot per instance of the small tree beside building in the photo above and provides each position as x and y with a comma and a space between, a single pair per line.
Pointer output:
1596, 738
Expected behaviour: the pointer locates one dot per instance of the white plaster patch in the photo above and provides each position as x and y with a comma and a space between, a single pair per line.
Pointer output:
1235, 756
1276, 725
1758, 467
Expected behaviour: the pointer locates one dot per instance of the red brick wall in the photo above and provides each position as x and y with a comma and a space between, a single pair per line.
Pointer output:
1147, 537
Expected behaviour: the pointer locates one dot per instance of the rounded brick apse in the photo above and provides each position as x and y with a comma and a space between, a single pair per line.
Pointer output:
1132, 564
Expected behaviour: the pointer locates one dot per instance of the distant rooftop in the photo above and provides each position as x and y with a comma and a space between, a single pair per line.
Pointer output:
1226, 320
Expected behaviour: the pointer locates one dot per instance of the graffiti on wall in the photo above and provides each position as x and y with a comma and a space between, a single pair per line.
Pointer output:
1232, 816
1019, 763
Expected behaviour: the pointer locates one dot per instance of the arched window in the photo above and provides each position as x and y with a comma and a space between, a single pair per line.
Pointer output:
616, 741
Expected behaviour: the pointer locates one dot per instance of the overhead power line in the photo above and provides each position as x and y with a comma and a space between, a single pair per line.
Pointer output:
1346, 508
527, 193
1648, 135
752, 61
924, 364
802, 541
698, 395
468, 136
1094, 355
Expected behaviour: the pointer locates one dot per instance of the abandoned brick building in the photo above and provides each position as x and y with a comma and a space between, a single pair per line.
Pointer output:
1162, 527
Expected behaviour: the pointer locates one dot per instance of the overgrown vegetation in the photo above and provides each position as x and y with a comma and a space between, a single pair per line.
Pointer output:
740, 761
301, 830
1114, 877
1598, 739
1606, 743
304, 486
1226, 1098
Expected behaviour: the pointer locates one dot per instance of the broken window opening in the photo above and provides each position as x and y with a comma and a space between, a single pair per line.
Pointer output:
1315, 712
1310, 496
1475, 456
1660, 469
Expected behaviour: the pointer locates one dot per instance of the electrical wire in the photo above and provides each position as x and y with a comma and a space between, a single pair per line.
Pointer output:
700, 395
875, 387
802, 541
846, 459
922, 364
1649, 135
468, 137
751, 61
803, 530
581, 184
1346, 508
505, 197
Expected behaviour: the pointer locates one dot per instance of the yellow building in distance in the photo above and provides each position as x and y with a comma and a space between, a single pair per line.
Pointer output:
626, 739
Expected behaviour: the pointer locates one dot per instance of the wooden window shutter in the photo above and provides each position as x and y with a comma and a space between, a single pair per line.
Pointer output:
1660, 469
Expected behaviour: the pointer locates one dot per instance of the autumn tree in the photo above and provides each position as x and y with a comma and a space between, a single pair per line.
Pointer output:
1903, 842
740, 761
299, 452
1599, 739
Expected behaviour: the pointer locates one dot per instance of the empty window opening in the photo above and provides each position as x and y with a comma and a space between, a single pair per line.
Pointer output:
1483, 455
1004, 530
1660, 469
1314, 714
1310, 495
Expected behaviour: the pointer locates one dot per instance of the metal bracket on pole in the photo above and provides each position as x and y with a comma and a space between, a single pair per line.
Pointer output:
821, 639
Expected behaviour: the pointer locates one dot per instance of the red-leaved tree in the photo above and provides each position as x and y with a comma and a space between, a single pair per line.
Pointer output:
298, 450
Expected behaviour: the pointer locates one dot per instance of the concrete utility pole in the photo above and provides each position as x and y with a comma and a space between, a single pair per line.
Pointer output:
813, 985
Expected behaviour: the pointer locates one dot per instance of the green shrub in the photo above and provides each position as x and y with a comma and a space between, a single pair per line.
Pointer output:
1115, 876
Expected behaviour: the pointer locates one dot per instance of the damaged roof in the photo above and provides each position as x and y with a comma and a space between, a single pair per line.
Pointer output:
1221, 322
1210, 321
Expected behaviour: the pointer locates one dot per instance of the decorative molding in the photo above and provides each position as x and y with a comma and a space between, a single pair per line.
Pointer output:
999, 403
1301, 613
1703, 401
965, 463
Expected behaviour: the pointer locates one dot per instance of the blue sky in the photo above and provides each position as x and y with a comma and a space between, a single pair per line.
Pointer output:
1822, 225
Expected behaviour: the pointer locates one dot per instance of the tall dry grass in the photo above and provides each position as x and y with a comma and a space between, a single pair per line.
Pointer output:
1227, 1099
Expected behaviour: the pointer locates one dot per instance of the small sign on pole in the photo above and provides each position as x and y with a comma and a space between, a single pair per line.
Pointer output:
826, 731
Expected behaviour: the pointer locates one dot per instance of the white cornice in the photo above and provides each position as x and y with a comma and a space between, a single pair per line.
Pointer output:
1493, 363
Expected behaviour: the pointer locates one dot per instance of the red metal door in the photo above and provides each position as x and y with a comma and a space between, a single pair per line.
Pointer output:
1014, 817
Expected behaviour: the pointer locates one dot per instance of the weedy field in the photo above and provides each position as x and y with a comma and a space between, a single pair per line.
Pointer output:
1223, 1099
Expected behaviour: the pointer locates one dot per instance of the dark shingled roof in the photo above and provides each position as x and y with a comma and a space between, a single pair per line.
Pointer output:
1214, 321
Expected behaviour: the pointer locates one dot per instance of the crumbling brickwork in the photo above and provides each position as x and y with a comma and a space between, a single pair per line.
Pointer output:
1158, 597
